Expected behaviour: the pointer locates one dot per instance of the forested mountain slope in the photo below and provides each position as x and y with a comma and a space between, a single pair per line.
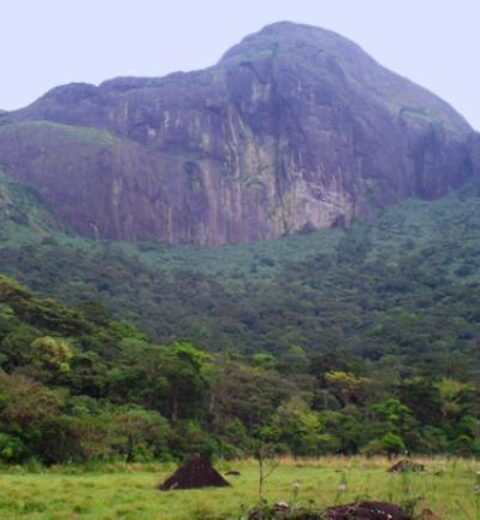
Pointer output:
78, 387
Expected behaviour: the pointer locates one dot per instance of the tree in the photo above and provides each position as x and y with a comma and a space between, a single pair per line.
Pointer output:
299, 428
347, 387
51, 354
456, 399
173, 380
27, 412
141, 435
248, 394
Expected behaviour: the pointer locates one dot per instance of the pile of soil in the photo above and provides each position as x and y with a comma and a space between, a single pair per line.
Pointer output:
428, 514
367, 511
406, 465
197, 472
233, 473
286, 514
360, 511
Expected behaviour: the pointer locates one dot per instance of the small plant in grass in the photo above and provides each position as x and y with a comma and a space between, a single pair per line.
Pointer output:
296, 486
409, 502
476, 495
341, 489
410, 505
268, 462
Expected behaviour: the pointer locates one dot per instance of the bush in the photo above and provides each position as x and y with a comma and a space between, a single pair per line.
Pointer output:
12, 448
392, 444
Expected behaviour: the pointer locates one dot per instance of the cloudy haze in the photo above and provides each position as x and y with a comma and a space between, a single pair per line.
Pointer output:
52, 42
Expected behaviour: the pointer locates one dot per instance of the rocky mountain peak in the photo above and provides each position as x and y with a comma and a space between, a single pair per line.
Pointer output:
295, 126
290, 38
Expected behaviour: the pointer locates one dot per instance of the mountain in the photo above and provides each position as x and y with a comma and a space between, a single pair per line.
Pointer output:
295, 128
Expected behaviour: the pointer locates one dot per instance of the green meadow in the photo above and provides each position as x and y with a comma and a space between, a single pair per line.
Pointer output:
450, 488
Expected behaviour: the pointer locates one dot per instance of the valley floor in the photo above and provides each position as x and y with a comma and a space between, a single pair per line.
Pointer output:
449, 487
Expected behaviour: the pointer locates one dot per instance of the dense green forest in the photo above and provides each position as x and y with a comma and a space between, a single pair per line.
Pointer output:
335, 341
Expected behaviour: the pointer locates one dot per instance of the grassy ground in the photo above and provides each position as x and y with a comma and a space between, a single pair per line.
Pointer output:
128, 492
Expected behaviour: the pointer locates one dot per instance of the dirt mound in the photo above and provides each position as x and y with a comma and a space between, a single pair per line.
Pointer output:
359, 511
428, 514
233, 473
197, 472
367, 511
283, 511
406, 465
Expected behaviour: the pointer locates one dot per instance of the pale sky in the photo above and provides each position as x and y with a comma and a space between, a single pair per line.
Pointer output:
45, 43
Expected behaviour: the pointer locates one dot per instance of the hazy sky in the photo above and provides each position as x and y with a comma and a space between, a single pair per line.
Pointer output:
45, 43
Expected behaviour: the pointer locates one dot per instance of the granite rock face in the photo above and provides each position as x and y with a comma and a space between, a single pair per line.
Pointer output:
295, 126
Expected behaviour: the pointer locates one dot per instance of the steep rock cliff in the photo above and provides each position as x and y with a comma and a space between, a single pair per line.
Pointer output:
295, 126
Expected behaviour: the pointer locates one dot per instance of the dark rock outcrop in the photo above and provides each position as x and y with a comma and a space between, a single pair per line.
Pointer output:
295, 126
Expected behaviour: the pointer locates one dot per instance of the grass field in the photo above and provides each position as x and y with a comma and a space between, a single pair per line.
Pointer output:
448, 487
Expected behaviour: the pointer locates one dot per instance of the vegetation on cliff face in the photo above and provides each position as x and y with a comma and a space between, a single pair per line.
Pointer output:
24, 214
336, 341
